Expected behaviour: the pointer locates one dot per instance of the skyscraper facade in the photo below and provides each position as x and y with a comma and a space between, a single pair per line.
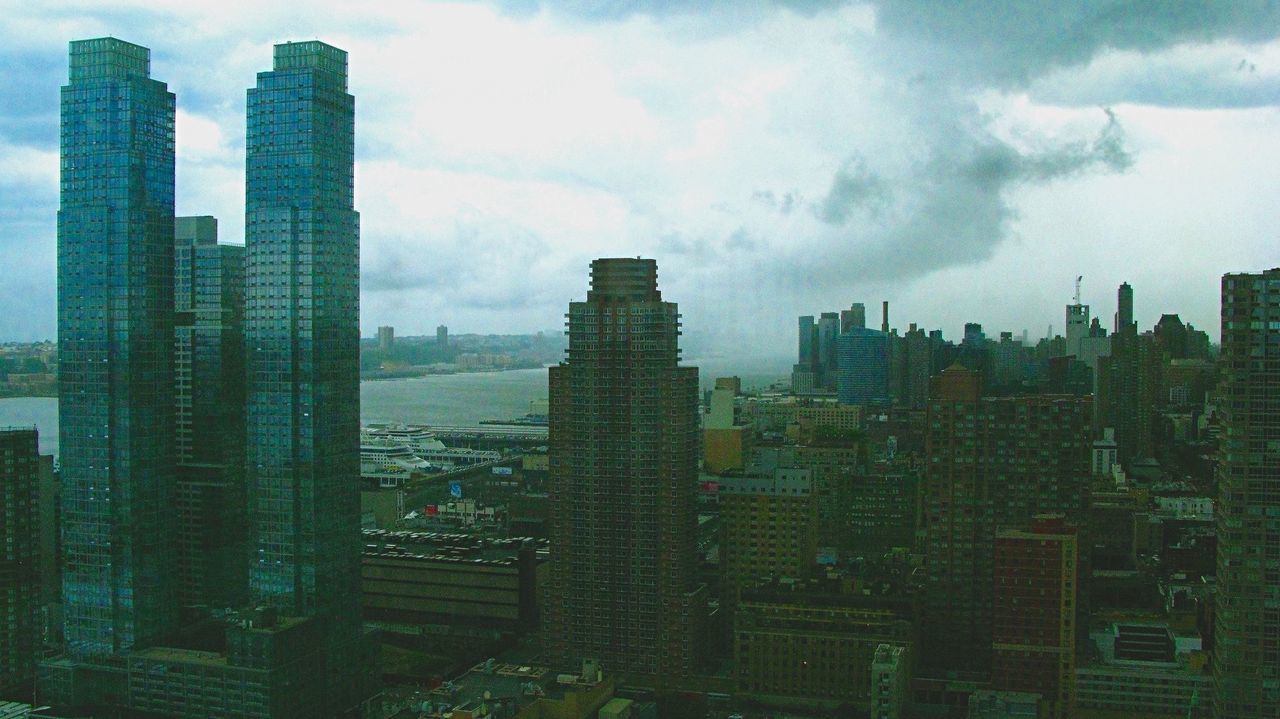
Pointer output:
302, 333
828, 330
862, 374
806, 354
623, 456
1035, 613
1077, 323
1129, 384
1124, 306
19, 561
917, 369
115, 350
1247, 662
991, 463
855, 316
302, 343
804, 374
136, 289
209, 429
768, 529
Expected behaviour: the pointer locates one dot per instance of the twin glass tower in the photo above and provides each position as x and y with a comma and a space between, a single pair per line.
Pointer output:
115, 350
116, 338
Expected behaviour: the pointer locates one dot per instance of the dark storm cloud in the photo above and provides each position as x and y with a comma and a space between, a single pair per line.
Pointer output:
1012, 43
1214, 83
954, 207
784, 203
853, 187
614, 10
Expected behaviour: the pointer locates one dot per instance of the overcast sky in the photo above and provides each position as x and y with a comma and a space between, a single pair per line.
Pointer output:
963, 162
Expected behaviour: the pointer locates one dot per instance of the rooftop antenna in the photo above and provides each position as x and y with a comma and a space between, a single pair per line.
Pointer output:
1081, 277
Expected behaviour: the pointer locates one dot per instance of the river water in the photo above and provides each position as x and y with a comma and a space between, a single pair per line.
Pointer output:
464, 398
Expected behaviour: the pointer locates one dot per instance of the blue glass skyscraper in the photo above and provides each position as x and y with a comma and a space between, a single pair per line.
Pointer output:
302, 340
862, 376
115, 350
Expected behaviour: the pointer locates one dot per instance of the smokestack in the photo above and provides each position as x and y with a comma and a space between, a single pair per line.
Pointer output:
884, 323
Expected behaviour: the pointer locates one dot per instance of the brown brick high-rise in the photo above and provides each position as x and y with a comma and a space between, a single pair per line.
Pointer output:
1034, 613
623, 456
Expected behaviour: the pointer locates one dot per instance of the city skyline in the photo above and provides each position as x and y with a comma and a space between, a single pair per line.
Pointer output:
484, 185
982, 523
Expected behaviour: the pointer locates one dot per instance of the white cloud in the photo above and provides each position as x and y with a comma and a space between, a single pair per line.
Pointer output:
775, 162
24, 166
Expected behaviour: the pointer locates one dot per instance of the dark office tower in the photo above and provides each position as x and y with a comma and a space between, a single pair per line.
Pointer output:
386, 338
804, 374
302, 343
855, 316
919, 367
1007, 361
975, 351
115, 350
19, 561
1129, 384
1171, 336
1247, 663
897, 375
805, 330
828, 330
209, 382
973, 334
623, 445
991, 463
1124, 306
862, 375
442, 336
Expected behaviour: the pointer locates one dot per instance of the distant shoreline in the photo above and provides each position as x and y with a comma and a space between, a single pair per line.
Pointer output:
415, 372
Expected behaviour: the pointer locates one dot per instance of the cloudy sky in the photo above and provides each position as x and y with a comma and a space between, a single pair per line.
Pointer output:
962, 161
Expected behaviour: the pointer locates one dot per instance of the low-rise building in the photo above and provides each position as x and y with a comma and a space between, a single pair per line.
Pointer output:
272, 668
767, 529
774, 414
1144, 669
988, 704
415, 579
811, 642
509, 691
834, 461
